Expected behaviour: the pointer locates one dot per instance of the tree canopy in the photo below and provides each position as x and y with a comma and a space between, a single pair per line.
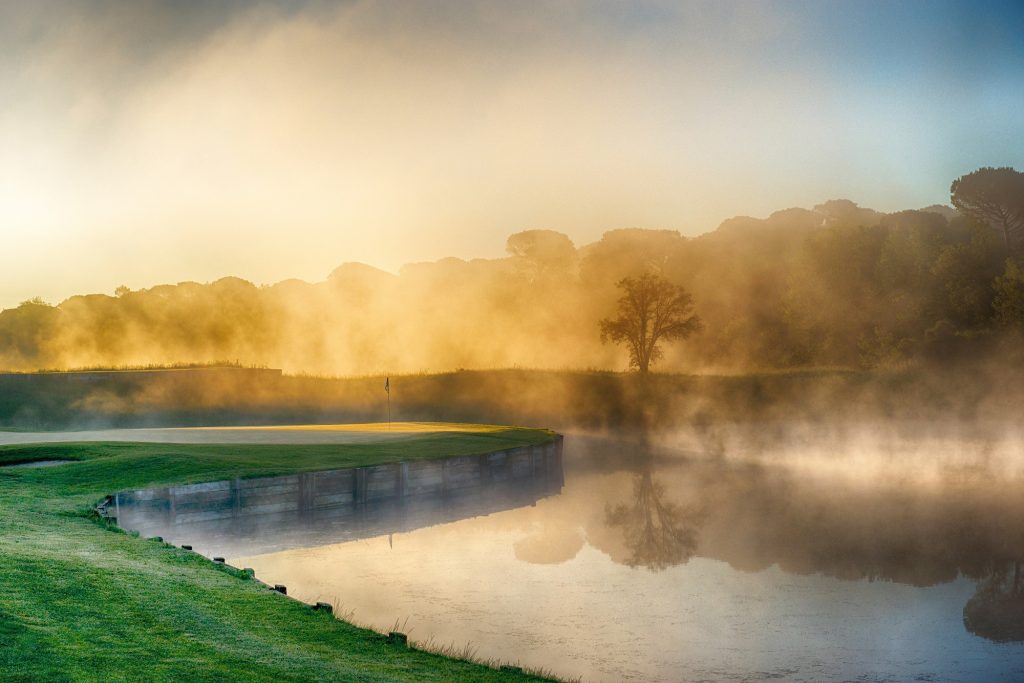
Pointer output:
833, 286
993, 197
651, 310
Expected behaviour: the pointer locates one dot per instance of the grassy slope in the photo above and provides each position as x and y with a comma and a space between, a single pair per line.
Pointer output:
563, 399
79, 601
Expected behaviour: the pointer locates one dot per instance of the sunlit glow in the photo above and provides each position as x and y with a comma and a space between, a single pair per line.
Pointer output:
272, 142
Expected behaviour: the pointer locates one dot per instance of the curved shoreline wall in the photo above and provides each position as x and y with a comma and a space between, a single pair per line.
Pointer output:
252, 516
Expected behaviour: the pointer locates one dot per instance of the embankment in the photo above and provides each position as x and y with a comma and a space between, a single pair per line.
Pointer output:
83, 602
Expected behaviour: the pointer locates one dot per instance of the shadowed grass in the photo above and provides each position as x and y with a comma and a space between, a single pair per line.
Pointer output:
81, 602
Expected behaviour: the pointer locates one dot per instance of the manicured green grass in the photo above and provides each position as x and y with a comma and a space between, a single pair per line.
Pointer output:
81, 601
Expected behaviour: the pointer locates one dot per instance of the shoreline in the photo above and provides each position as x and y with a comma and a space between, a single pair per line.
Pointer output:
85, 600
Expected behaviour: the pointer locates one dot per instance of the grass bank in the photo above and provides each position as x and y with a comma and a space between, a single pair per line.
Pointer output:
81, 601
564, 400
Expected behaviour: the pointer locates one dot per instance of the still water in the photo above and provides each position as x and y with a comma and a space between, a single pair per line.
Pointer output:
628, 563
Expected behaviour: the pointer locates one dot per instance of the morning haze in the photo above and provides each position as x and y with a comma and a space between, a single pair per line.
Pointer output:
144, 144
845, 287
488, 341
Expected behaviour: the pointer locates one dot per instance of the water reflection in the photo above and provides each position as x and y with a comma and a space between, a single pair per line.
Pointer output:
658, 532
749, 569
270, 514
754, 517
996, 611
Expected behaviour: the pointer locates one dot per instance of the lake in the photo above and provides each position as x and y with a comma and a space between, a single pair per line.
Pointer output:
634, 562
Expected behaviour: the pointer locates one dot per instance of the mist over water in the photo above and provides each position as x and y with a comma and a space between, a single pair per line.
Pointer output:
878, 559
794, 441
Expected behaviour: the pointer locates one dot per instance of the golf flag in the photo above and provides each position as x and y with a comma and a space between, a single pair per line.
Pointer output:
387, 384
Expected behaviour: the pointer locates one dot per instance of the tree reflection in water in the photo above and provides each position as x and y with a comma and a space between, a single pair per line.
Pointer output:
658, 533
755, 516
996, 611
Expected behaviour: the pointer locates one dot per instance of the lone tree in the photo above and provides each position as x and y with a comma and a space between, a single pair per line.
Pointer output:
993, 197
651, 310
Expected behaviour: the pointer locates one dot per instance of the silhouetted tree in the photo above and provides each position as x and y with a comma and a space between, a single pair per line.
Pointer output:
542, 252
1009, 295
845, 212
622, 252
651, 310
993, 197
780, 292
26, 333
964, 274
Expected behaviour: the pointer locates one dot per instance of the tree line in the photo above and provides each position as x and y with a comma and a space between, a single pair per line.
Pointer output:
836, 285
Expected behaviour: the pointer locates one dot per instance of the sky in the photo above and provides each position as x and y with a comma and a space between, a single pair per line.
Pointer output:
148, 141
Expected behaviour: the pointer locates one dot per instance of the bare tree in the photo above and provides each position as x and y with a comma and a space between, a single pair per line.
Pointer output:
651, 310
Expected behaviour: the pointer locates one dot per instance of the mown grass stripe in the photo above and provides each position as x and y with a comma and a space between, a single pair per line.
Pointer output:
80, 603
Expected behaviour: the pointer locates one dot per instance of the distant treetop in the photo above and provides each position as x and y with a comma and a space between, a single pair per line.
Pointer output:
993, 197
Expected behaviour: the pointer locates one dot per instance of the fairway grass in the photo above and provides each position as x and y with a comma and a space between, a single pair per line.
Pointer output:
84, 601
